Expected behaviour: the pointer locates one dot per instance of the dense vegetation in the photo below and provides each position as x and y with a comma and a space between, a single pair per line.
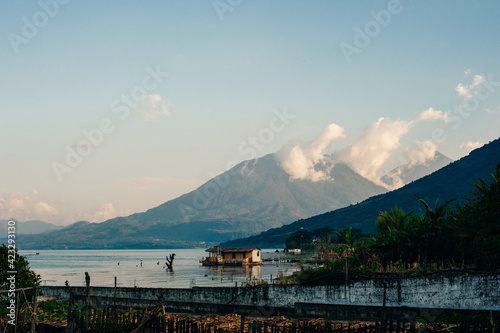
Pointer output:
25, 277
446, 236
11, 261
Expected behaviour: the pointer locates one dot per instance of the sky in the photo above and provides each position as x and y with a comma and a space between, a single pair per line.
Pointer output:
109, 108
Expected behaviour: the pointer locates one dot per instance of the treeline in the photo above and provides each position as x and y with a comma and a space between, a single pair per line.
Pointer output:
446, 236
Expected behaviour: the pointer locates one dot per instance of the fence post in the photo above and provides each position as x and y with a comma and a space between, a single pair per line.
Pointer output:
412, 326
163, 321
492, 322
87, 302
384, 302
33, 322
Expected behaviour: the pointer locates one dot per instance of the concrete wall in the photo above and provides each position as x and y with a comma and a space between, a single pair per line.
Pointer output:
480, 292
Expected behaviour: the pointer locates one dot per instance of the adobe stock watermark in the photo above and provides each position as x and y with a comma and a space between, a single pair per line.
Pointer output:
372, 29
11, 272
94, 137
223, 6
31, 26
248, 149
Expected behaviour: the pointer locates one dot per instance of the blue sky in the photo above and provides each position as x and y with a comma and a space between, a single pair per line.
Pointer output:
222, 72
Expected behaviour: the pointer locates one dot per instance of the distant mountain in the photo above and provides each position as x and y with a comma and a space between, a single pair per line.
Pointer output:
451, 181
29, 227
407, 173
260, 191
251, 197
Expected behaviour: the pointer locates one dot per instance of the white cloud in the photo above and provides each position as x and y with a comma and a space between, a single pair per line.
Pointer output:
301, 160
373, 148
395, 179
152, 107
24, 206
466, 90
366, 156
97, 214
492, 111
431, 114
45, 209
104, 212
422, 153
471, 145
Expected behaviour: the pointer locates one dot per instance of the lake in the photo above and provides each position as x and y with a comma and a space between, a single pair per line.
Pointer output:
57, 266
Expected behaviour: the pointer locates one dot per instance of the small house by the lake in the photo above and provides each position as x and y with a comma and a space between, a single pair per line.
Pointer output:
232, 256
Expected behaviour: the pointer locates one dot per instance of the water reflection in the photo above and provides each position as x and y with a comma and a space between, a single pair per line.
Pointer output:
234, 273
56, 267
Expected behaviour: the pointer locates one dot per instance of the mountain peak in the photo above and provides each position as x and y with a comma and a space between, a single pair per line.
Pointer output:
452, 181
251, 197
408, 172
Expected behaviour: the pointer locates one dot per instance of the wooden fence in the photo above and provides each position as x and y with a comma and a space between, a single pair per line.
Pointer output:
110, 320
23, 312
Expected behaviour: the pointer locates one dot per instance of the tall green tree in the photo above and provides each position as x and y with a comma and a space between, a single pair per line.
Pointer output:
323, 232
435, 232
325, 244
325, 238
11, 261
344, 236
301, 239
393, 235
479, 221
25, 277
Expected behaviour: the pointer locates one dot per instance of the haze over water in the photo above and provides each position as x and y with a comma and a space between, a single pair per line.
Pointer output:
57, 266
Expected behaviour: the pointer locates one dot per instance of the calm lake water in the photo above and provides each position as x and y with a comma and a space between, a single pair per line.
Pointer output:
57, 266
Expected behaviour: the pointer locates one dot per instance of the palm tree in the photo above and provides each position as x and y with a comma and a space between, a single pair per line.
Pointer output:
393, 234
479, 220
437, 214
346, 249
435, 230
345, 236
326, 245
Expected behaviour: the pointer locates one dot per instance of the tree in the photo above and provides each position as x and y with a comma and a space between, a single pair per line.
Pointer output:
326, 247
25, 277
344, 236
393, 235
323, 232
346, 248
435, 232
325, 238
437, 214
301, 239
479, 221
11, 261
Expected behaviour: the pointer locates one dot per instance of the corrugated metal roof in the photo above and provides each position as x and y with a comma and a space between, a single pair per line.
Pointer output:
233, 249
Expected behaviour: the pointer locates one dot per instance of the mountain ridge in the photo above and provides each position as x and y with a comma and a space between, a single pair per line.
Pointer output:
251, 197
408, 173
450, 182
29, 227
